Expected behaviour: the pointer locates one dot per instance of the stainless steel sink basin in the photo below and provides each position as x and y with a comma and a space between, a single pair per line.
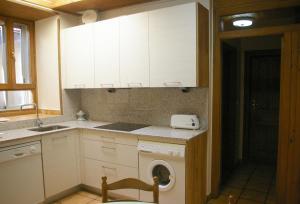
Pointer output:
48, 128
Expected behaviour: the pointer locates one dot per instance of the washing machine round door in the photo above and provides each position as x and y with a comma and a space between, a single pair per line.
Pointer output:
165, 173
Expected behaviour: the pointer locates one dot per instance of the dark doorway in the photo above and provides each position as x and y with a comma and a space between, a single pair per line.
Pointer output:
229, 110
262, 88
249, 118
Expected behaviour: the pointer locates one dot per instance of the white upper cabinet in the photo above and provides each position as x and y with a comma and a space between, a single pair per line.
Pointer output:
134, 50
78, 57
173, 46
166, 47
106, 45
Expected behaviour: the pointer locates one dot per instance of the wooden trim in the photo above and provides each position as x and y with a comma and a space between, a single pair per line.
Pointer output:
216, 104
195, 169
59, 66
202, 46
255, 32
49, 112
8, 113
249, 7
284, 117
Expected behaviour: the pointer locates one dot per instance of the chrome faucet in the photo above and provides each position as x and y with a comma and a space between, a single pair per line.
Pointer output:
38, 122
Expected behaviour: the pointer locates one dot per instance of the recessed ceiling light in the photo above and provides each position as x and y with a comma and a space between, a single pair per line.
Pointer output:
243, 22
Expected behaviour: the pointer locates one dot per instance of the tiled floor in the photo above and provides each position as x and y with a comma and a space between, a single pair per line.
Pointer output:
82, 197
249, 184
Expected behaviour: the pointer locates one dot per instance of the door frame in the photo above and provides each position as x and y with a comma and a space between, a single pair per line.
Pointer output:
284, 116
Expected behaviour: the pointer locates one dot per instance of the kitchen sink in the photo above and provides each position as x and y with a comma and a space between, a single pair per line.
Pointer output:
48, 128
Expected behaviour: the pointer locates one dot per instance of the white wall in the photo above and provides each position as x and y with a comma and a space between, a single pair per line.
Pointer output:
47, 58
46, 36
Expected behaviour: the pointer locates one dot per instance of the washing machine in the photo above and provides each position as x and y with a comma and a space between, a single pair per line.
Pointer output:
167, 162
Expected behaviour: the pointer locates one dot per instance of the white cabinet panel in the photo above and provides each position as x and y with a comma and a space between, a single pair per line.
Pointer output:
134, 50
110, 136
78, 57
60, 161
109, 152
106, 45
93, 170
173, 46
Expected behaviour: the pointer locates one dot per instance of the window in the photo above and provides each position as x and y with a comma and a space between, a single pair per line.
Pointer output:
17, 71
3, 64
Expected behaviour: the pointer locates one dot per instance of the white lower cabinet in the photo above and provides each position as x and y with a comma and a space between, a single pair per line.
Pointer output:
108, 154
93, 170
60, 161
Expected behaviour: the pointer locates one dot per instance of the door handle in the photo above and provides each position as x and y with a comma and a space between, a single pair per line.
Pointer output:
253, 104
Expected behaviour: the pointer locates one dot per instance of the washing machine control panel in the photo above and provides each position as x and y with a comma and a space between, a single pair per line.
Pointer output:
172, 150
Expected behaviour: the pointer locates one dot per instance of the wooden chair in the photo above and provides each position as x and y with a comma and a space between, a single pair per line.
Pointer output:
231, 199
130, 183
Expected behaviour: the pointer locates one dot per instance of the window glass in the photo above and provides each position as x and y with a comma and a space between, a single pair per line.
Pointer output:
12, 100
22, 53
3, 65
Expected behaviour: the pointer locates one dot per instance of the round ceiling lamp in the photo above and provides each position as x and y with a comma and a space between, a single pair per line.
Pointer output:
242, 22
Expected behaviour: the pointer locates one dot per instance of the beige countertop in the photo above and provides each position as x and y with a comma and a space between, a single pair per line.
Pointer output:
148, 133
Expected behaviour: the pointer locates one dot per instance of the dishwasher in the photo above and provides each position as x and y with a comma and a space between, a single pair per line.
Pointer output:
21, 174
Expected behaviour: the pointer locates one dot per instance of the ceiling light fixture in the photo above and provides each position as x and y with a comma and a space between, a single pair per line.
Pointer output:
242, 22
26, 3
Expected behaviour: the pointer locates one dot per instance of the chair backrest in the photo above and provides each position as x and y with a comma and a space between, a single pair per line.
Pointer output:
130, 183
231, 199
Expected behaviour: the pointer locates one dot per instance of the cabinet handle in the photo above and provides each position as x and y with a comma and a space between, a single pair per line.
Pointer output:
107, 85
19, 155
172, 84
110, 168
135, 84
108, 139
59, 137
110, 148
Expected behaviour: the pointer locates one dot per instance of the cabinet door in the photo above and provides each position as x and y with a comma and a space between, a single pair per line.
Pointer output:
134, 50
79, 57
93, 170
107, 73
60, 161
173, 46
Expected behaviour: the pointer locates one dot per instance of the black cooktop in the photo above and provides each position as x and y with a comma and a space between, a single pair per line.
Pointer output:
128, 127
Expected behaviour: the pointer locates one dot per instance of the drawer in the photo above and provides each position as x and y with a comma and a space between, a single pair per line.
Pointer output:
93, 171
109, 152
113, 137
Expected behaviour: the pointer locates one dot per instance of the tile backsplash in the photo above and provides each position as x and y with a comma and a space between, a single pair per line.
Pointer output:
150, 106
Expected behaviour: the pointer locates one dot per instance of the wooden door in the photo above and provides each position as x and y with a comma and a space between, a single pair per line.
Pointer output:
230, 106
134, 50
106, 45
262, 105
293, 169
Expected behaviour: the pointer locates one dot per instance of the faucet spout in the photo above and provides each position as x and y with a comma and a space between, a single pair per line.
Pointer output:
39, 122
